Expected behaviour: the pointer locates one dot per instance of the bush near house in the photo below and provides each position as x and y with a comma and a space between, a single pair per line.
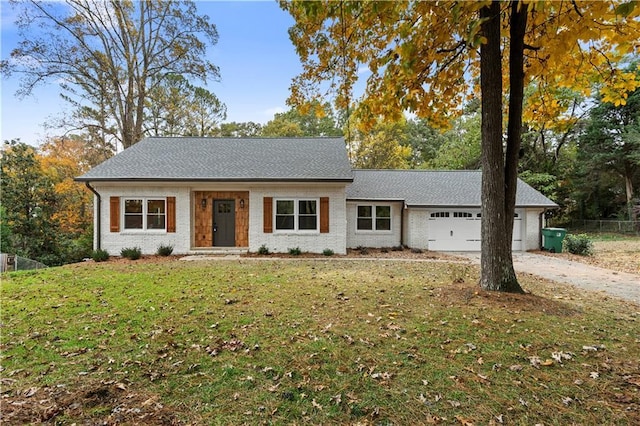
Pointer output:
132, 253
100, 255
164, 250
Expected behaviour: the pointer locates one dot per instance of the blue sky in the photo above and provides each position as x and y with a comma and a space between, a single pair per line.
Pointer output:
256, 59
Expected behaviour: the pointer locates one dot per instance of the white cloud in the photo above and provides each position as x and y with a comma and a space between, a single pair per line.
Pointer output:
363, 69
270, 112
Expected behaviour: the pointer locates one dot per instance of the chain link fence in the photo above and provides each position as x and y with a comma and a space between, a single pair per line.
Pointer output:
12, 262
628, 227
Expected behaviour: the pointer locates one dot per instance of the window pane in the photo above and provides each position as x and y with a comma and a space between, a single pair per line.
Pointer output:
133, 206
307, 207
364, 223
383, 224
132, 221
284, 222
364, 211
155, 214
132, 214
155, 206
155, 221
383, 211
284, 207
307, 222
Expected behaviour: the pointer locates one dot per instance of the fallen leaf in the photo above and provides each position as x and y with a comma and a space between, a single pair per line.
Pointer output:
634, 380
30, 392
463, 421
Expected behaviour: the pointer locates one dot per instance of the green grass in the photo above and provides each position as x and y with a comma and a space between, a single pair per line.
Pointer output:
607, 236
315, 342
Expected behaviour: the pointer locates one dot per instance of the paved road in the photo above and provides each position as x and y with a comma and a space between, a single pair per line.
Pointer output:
619, 284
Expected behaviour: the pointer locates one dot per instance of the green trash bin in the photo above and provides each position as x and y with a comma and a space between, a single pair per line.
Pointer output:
552, 239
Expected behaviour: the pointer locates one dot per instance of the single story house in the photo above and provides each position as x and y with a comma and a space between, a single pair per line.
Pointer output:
202, 195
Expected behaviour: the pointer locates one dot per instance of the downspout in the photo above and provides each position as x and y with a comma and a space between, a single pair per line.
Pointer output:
98, 221
402, 210
540, 226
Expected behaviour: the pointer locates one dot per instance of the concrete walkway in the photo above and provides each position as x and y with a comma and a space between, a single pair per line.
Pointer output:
618, 284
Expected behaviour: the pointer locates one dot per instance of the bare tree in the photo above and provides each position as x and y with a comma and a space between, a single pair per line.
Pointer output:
107, 55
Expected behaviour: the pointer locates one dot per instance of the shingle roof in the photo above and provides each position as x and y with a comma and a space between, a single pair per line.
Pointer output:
432, 188
227, 159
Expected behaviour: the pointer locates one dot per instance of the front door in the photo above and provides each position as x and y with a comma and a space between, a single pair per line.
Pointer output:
224, 223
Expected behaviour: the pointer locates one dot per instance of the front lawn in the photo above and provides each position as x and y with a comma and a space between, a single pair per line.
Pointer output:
618, 253
310, 342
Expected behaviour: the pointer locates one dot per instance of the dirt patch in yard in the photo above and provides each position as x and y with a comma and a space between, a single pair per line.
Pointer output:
104, 403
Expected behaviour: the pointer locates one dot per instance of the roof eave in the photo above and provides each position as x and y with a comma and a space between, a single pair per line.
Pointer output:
233, 180
477, 206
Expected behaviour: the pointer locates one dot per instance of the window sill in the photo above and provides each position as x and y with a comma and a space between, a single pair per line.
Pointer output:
292, 232
143, 231
371, 232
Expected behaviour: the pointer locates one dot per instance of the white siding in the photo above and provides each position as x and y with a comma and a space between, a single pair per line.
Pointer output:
526, 230
147, 241
417, 227
181, 240
316, 242
413, 223
356, 238
532, 229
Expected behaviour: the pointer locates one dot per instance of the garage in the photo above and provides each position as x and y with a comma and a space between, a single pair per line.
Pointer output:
460, 230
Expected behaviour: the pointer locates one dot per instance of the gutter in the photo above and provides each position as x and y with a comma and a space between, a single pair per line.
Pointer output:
98, 214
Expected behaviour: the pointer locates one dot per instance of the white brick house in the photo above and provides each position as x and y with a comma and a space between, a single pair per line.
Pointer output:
206, 194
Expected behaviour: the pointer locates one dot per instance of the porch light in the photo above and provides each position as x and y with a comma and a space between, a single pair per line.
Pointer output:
242, 203
203, 203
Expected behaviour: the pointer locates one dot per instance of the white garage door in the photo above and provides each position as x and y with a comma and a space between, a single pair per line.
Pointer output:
459, 230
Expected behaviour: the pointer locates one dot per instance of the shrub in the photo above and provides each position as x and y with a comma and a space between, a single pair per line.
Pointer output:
328, 252
363, 250
164, 250
132, 253
578, 244
263, 250
295, 251
100, 255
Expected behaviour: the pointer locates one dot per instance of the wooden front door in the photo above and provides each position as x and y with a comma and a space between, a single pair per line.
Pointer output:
224, 223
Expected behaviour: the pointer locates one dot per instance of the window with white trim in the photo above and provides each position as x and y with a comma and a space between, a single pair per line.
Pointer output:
296, 215
440, 214
373, 218
462, 214
145, 213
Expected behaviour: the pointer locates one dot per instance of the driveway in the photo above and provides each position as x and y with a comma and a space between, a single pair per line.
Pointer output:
618, 284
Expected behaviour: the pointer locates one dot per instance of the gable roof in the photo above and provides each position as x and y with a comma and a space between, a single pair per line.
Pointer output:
227, 159
422, 188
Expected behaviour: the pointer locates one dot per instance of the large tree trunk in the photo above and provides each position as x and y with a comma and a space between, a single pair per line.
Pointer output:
628, 186
496, 262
